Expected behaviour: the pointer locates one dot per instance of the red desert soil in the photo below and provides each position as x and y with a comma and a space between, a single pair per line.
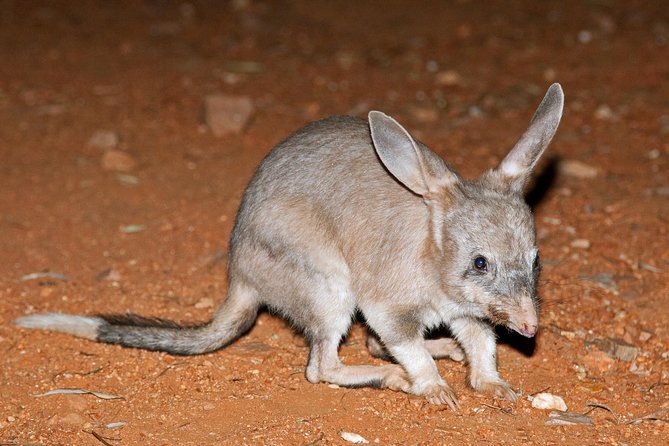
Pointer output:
111, 177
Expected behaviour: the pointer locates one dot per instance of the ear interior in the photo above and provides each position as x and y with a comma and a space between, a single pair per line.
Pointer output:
518, 164
415, 166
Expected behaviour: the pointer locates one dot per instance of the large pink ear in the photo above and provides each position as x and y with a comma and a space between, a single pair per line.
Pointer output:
516, 168
414, 165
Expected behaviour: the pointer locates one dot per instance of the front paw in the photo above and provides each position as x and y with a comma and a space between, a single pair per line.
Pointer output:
497, 388
440, 393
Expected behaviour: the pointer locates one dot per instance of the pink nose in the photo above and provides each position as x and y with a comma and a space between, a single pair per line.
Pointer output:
528, 330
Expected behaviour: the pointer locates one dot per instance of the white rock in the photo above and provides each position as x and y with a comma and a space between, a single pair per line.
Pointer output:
580, 243
604, 113
352, 437
577, 169
227, 114
104, 139
548, 401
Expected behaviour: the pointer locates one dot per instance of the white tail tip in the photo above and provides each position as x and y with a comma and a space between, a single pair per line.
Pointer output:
80, 326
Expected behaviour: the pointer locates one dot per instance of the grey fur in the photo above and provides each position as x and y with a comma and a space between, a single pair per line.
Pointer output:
350, 215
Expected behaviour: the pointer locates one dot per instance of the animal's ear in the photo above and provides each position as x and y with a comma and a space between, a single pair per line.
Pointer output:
517, 166
414, 165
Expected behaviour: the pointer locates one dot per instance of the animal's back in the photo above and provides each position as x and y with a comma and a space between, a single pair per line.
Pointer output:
324, 194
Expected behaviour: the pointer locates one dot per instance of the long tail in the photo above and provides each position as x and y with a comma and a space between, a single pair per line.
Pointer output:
231, 321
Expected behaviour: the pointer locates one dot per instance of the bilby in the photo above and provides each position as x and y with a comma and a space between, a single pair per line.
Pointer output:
352, 215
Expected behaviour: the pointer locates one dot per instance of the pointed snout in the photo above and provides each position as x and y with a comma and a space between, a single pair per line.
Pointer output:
525, 321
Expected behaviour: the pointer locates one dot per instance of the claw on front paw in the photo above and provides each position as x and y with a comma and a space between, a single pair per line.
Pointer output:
499, 389
441, 394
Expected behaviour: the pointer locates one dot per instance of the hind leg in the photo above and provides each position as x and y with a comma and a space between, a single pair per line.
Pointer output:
313, 292
325, 333
438, 348
325, 365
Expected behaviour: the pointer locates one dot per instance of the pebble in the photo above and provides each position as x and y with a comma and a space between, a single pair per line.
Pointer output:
597, 362
550, 74
424, 114
207, 405
125, 179
352, 437
227, 114
205, 302
548, 401
449, 78
644, 336
111, 274
584, 36
117, 160
577, 169
657, 191
104, 139
580, 243
617, 348
605, 281
604, 113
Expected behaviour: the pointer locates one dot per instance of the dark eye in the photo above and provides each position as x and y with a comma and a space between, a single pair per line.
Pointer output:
481, 264
537, 262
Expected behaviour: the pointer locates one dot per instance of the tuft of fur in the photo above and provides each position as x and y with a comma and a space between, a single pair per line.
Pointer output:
81, 326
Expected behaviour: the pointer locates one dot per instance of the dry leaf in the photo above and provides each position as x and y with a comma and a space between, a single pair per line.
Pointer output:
104, 396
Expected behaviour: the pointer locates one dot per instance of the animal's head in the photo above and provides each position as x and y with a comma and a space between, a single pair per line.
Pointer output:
482, 232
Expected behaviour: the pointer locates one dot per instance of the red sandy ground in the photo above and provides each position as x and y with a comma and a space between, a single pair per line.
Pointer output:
463, 76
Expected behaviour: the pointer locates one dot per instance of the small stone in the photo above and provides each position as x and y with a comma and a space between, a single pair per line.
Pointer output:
227, 114
125, 179
475, 111
617, 348
549, 74
352, 437
584, 36
110, 274
345, 59
604, 113
577, 169
605, 281
448, 78
207, 405
645, 336
104, 139
424, 114
548, 401
205, 302
653, 154
117, 160
597, 362
580, 243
